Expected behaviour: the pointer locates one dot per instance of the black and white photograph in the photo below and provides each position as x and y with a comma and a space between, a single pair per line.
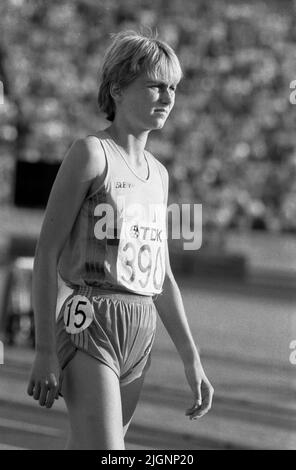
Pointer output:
148, 227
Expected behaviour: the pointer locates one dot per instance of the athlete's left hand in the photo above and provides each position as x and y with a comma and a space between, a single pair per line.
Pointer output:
201, 388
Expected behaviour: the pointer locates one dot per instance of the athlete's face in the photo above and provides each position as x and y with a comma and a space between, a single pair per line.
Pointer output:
147, 102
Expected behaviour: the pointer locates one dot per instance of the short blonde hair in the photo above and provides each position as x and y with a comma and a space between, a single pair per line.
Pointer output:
129, 55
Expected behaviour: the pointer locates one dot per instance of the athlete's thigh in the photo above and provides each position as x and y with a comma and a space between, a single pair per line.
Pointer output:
92, 394
130, 395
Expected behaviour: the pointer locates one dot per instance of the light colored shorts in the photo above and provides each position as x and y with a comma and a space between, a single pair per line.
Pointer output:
118, 329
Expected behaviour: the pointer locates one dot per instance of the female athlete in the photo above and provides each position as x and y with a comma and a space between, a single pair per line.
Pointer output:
104, 235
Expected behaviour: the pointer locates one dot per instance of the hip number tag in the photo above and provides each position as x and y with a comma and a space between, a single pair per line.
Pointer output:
78, 314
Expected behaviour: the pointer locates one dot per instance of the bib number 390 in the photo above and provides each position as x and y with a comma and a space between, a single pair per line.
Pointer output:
78, 314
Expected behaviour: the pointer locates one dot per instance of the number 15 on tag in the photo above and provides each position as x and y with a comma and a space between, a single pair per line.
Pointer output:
78, 314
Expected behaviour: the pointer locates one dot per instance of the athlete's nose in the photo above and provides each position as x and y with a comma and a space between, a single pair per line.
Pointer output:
166, 97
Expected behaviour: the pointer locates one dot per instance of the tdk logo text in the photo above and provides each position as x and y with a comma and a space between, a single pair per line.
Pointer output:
146, 233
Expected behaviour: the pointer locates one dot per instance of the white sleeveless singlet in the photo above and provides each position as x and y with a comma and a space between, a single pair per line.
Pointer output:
119, 236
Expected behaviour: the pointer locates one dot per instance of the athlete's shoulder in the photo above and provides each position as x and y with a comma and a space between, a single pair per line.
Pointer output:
94, 144
83, 163
95, 139
87, 154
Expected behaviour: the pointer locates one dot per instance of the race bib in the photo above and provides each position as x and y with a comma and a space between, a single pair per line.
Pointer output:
78, 314
141, 257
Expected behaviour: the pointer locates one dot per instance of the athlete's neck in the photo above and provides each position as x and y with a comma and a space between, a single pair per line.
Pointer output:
133, 143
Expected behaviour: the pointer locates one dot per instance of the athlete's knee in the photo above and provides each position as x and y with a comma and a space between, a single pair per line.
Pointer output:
93, 432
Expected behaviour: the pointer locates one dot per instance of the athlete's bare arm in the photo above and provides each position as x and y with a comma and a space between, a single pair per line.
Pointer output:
83, 163
172, 313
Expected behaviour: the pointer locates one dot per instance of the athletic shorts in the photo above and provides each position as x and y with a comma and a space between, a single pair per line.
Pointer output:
118, 329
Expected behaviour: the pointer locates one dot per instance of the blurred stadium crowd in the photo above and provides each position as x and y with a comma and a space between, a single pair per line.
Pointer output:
230, 143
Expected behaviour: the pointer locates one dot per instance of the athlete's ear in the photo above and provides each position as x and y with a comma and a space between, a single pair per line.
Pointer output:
115, 91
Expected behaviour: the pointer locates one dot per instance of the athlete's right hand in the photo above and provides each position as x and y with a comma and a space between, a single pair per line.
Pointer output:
46, 379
